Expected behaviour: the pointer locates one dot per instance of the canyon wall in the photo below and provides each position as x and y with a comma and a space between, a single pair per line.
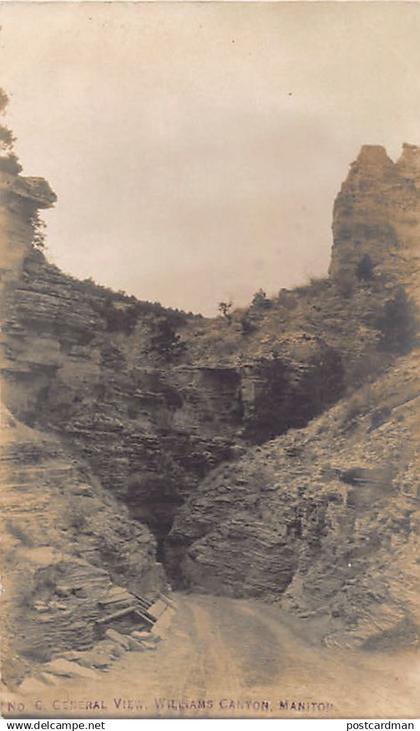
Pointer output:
323, 519
66, 541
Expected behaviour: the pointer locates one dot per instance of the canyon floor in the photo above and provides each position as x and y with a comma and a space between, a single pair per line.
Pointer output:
238, 658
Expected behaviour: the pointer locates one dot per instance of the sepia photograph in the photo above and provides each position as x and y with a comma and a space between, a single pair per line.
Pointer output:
209, 360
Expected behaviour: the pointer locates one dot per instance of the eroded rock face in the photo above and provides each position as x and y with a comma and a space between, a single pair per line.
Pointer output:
324, 519
158, 406
82, 361
65, 542
123, 410
376, 221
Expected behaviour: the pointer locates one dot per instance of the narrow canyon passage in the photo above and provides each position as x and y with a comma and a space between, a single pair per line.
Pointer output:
225, 657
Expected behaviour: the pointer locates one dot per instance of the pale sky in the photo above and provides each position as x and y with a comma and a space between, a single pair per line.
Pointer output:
196, 149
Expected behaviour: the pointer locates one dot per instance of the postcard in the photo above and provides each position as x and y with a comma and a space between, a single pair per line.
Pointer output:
210, 244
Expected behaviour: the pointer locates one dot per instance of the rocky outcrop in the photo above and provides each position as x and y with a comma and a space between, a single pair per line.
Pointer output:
20, 199
376, 221
65, 543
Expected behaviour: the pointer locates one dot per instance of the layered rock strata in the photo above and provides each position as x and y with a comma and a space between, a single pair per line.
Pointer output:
324, 519
66, 542
376, 220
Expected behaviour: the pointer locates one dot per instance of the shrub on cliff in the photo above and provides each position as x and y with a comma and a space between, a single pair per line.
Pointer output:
364, 270
289, 395
398, 324
121, 312
261, 301
39, 227
6, 138
118, 319
9, 163
247, 324
165, 340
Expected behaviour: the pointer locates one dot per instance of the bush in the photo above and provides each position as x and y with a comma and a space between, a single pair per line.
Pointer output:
247, 325
166, 340
364, 270
6, 138
225, 309
398, 324
39, 227
119, 320
10, 164
261, 301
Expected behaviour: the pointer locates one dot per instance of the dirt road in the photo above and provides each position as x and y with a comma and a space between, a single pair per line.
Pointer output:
237, 658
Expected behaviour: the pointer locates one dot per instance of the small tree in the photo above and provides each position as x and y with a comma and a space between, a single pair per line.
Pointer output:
9, 163
225, 309
398, 323
364, 270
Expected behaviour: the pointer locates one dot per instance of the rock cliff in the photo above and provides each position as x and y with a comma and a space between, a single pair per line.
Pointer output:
323, 519
153, 435
65, 543
376, 220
